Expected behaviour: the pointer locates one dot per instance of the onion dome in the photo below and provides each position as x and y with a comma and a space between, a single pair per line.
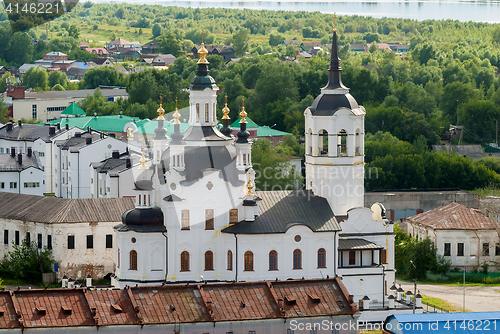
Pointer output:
243, 134
225, 130
176, 135
202, 80
161, 132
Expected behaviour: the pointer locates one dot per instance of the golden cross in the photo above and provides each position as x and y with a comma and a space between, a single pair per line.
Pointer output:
160, 99
226, 99
334, 21
202, 34
175, 103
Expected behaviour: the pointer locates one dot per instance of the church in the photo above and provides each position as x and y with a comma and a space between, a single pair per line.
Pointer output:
198, 218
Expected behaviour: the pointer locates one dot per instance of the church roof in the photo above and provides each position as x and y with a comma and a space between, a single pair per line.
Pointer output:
280, 210
73, 109
205, 133
142, 220
357, 244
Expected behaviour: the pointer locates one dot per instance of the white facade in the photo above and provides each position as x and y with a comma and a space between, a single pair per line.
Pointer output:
28, 181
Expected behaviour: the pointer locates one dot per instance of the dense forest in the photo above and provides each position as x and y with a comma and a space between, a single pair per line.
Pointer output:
449, 76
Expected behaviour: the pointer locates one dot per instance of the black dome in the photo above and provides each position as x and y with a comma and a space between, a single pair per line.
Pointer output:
147, 216
202, 80
328, 104
143, 185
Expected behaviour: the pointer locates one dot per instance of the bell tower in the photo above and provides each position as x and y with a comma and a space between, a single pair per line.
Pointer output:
334, 128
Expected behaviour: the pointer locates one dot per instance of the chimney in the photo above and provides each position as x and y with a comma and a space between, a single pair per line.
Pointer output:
20, 123
112, 135
88, 280
52, 130
88, 140
78, 134
20, 159
128, 163
89, 129
64, 281
29, 152
9, 126
71, 283
13, 152
58, 126
67, 126
116, 154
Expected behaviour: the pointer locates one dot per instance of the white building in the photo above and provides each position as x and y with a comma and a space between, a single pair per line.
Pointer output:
41, 139
73, 159
21, 173
462, 235
197, 218
79, 231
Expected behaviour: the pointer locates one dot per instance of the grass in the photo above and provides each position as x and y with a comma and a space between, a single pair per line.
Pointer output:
483, 192
448, 282
439, 303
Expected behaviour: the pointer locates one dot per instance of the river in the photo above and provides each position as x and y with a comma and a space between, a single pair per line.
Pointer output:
478, 11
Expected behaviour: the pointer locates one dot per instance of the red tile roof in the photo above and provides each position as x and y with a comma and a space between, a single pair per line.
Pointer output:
169, 304
454, 216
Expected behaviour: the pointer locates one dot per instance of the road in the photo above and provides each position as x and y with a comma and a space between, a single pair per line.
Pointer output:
477, 298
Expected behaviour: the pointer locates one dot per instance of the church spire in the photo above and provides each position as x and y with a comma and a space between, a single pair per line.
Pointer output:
225, 130
334, 72
243, 133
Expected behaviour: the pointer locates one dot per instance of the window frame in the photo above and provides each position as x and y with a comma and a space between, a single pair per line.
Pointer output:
185, 261
321, 257
209, 260
297, 259
460, 248
230, 260
133, 260
352, 258
185, 223
109, 241
71, 242
447, 249
273, 260
90, 241
209, 219
233, 216
248, 263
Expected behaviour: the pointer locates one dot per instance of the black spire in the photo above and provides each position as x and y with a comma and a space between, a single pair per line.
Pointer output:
334, 75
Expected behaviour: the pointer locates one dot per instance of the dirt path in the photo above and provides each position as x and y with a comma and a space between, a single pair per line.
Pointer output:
477, 298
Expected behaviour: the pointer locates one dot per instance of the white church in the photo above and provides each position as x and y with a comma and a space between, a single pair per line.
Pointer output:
198, 217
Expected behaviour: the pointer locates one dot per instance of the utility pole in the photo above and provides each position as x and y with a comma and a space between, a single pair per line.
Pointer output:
414, 287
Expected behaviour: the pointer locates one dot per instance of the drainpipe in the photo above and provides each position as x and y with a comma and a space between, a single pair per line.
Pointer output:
478, 247
236, 257
166, 255
78, 168
335, 253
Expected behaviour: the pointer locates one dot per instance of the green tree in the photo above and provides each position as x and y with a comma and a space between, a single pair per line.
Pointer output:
478, 118
276, 82
3, 111
57, 77
20, 50
455, 94
156, 30
170, 44
102, 76
57, 87
276, 39
120, 13
240, 40
74, 32
27, 262
3, 82
36, 77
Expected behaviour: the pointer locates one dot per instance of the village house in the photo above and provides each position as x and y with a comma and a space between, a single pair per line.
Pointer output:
21, 173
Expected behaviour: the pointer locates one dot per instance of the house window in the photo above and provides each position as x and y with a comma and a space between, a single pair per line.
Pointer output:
460, 249
209, 219
13, 185
109, 241
447, 249
185, 219
273, 260
486, 249
34, 113
321, 258
28, 238
289, 331
248, 261
5, 237
39, 240
206, 113
497, 249
71, 242
229, 260
185, 261
209, 260
233, 216
49, 241
133, 260
16, 237
2, 185
90, 241
197, 112
352, 258
383, 255
297, 259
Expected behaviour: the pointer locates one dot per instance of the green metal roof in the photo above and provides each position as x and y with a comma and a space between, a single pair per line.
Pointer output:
250, 124
73, 109
265, 131
111, 123
148, 127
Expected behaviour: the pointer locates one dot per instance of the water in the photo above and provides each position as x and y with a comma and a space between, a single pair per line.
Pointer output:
479, 11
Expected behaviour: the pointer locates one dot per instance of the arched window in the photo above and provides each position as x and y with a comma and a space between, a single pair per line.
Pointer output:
185, 261
358, 142
297, 259
233, 216
342, 143
321, 258
273, 260
248, 261
133, 260
209, 260
323, 142
229, 260
209, 219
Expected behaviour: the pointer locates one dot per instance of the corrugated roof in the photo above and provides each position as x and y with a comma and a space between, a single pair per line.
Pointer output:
148, 127
265, 131
454, 216
106, 314
61, 210
357, 244
280, 210
110, 123
27, 132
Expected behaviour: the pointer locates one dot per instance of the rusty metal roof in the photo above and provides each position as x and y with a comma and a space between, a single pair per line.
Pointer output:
454, 216
42, 209
173, 304
357, 244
